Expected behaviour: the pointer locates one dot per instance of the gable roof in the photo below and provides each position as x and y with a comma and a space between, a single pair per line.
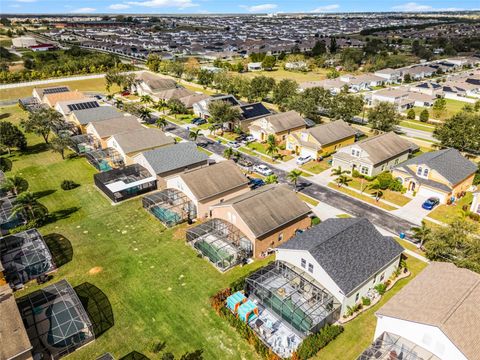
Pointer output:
285, 121
449, 163
156, 82
332, 132
174, 157
174, 93
109, 127
444, 296
386, 146
268, 208
142, 139
350, 251
214, 179
51, 90
254, 110
191, 99
96, 114
63, 96
63, 105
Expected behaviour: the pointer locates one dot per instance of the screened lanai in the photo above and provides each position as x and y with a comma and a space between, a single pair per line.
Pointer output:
56, 321
294, 296
221, 242
83, 143
25, 256
170, 206
9, 219
105, 159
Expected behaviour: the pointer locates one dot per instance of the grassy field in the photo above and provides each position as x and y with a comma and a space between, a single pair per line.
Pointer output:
452, 107
366, 198
94, 85
280, 74
158, 286
417, 125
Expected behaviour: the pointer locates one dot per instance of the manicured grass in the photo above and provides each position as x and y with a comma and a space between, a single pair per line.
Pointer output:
417, 125
304, 174
365, 198
197, 88
452, 107
358, 334
343, 216
204, 150
317, 167
388, 195
408, 245
448, 213
157, 285
258, 147
308, 199
280, 74
94, 85
248, 151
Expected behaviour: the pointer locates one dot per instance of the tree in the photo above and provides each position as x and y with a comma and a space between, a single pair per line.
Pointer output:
341, 176
119, 103
115, 77
460, 132
346, 106
333, 73
42, 121
145, 113
439, 107
283, 90
222, 112
269, 62
228, 153
205, 77
161, 123
319, 48
26, 203
176, 107
377, 190
411, 114
304, 105
333, 45
421, 233
15, 184
272, 147
293, 176
193, 134
407, 78
271, 179
384, 116
260, 87
11, 136
146, 99
456, 243
60, 144
191, 68
424, 115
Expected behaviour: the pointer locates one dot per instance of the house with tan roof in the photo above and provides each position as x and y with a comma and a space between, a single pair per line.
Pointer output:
52, 99
102, 130
279, 125
81, 117
147, 83
130, 143
374, 155
321, 140
40, 92
210, 185
436, 315
191, 99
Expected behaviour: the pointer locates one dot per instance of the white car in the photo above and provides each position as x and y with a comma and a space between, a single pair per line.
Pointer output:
249, 139
303, 159
233, 144
263, 170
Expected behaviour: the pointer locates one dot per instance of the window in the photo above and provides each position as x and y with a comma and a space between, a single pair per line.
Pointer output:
382, 277
396, 161
356, 297
303, 262
364, 170
310, 267
280, 237
419, 170
425, 172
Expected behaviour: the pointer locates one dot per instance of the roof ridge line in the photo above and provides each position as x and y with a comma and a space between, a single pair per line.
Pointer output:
354, 221
462, 300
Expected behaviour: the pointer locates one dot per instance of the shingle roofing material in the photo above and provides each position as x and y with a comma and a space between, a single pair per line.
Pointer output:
63, 96
156, 82
96, 114
351, 251
268, 208
448, 162
175, 93
174, 157
386, 146
444, 296
191, 99
142, 139
332, 132
286, 121
214, 180
116, 125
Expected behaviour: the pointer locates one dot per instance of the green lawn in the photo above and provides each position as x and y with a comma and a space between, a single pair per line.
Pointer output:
417, 125
448, 213
388, 195
317, 167
257, 146
280, 74
157, 285
308, 199
358, 334
366, 198
452, 107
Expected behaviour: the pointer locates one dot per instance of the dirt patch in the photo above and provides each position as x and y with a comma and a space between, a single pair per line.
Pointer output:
95, 270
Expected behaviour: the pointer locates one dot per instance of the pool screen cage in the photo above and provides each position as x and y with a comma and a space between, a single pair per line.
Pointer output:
220, 242
25, 256
170, 206
294, 296
9, 219
55, 320
83, 143
105, 159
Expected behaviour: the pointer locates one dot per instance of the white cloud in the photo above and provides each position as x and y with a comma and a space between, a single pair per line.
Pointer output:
83, 10
259, 8
119, 6
412, 7
326, 8
181, 4
26, 1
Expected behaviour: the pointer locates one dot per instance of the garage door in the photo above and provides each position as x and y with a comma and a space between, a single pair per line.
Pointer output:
306, 151
426, 192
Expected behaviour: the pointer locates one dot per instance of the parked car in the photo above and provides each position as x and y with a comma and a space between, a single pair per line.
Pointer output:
263, 170
430, 203
233, 144
256, 183
244, 163
303, 159
125, 93
199, 121
249, 139
204, 142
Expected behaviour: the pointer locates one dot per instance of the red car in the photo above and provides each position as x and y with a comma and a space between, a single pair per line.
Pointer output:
126, 93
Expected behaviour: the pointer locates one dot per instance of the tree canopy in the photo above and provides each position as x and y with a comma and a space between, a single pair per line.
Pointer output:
460, 132
384, 116
11, 136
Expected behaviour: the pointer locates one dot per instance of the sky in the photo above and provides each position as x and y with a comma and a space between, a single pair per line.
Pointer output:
227, 6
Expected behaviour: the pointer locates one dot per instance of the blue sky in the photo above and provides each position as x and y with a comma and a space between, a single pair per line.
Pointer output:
227, 6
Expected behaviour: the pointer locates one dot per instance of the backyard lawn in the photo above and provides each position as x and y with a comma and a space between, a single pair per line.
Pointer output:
448, 213
157, 286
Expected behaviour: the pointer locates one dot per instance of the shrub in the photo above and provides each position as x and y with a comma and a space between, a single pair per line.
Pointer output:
474, 216
69, 185
218, 300
384, 180
411, 114
315, 342
366, 301
424, 115
356, 174
396, 185
381, 288
315, 221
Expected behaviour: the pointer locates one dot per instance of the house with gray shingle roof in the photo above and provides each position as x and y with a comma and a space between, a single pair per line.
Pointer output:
349, 257
81, 118
443, 174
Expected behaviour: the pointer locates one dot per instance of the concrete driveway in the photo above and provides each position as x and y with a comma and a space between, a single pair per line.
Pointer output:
413, 211
323, 178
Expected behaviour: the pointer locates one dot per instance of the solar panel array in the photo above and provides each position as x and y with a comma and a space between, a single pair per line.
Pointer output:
83, 106
55, 90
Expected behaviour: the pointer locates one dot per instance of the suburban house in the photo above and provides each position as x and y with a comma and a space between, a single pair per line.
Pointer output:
169, 161
174, 93
321, 140
455, 88
348, 257
38, 93
66, 107
52, 99
475, 207
435, 316
296, 65
418, 72
400, 97
128, 144
102, 130
191, 99
279, 125
443, 174
82, 117
332, 85
249, 113
268, 216
210, 185
374, 155
362, 82
428, 88
391, 76
200, 108
147, 83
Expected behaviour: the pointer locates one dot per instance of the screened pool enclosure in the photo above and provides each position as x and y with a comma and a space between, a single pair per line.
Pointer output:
9, 219
83, 143
55, 320
220, 242
294, 296
170, 206
25, 256
105, 159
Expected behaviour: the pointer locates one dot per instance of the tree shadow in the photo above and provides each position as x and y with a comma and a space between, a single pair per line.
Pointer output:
98, 307
60, 248
36, 149
43, 193
61, 214
134, 355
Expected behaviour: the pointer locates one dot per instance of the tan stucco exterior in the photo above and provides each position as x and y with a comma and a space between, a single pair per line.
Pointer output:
320, 149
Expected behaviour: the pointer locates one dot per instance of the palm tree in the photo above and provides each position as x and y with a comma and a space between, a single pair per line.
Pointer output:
119, 103
161, 123
377, 191
60, 144
26, 203
16, 184
145, 113
146, 99
293, 176
194, 134
271, 179
272, 147
213, 128
342, 178
228, 153
421, 233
